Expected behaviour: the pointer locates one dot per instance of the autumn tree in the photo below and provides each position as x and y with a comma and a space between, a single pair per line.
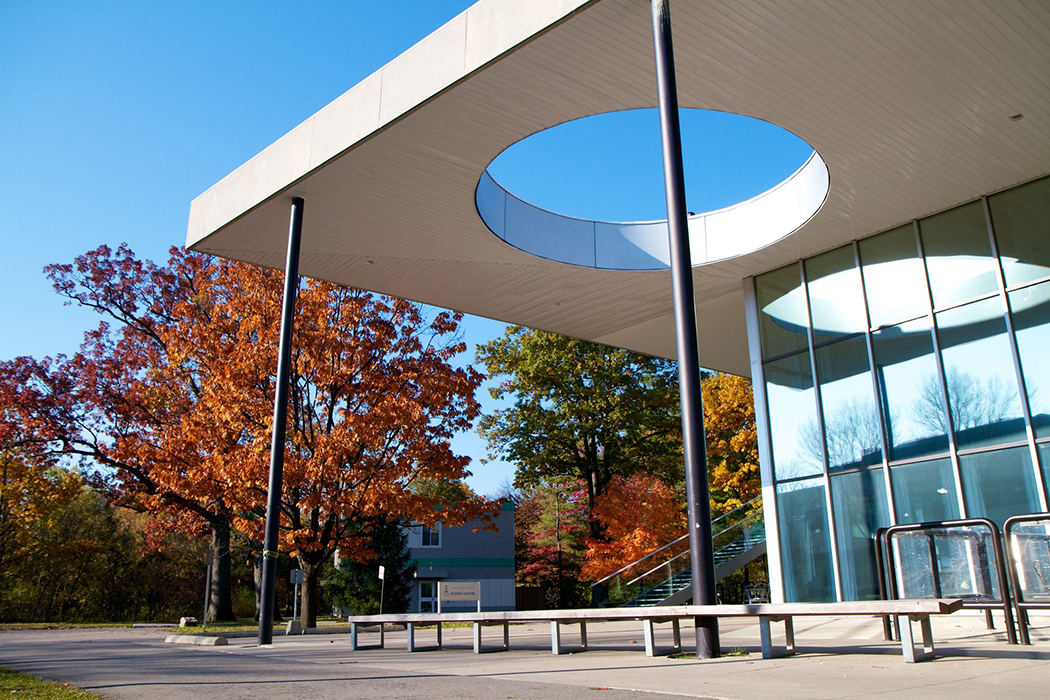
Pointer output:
550, 523
174, 403
732, 442
125, 400
581, 411
639, 514
374, 402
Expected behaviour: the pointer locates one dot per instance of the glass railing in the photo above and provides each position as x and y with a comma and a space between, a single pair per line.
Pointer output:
664, 571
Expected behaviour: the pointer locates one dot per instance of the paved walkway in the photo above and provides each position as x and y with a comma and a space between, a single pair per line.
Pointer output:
843, 658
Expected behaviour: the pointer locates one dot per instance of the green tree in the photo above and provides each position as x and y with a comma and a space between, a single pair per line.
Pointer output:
354, 584
581, 411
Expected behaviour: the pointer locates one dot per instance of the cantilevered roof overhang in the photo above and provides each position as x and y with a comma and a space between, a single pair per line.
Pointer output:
909, 105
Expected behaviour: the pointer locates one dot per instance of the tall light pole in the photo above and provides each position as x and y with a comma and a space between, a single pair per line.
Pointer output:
280, 415
698, 505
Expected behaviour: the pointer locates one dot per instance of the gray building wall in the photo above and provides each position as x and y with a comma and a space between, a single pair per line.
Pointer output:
485, 557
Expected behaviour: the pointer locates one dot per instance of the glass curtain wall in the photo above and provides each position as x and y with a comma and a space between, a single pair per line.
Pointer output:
906, 380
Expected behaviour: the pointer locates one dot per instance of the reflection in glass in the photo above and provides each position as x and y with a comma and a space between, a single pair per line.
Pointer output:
1031, 316
1031, 542
782, 317
793, 412
1021, 218
999, 484
958, 255
982, 385
805, 547
912, 402
1044, 461
924, 491
851, 423
835, 297
957, 562
859, 503
894, 277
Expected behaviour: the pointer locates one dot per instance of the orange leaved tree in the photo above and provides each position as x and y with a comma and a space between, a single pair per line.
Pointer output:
638, 514
374, 402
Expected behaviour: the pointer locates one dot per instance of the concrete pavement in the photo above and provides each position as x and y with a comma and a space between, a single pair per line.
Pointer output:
838, 658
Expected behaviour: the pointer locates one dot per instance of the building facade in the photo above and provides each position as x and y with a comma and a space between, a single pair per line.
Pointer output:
463, 554
902, 378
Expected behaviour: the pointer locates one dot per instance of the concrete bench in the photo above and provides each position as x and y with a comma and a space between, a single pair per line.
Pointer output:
767, 613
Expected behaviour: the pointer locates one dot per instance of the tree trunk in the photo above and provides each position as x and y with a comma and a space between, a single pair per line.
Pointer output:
220, 599
310, 592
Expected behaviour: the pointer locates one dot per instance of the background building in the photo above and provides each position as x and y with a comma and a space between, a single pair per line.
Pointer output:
449, 554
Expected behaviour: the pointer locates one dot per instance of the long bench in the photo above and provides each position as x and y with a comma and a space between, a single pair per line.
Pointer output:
912, 611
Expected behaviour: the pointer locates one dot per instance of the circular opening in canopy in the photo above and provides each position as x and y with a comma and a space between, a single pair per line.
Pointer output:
590, 192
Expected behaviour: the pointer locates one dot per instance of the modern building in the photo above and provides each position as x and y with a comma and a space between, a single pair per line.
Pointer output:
889, 299
464, 554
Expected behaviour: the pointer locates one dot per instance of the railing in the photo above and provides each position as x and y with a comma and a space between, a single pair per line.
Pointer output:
946, 559
655, 574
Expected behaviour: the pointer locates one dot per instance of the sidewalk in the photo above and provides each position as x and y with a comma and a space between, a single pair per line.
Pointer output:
838, 658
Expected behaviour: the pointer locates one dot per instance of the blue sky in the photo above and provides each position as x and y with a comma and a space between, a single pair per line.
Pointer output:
114, 115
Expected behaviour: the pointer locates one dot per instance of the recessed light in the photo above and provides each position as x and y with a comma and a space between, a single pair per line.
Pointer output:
1017, 117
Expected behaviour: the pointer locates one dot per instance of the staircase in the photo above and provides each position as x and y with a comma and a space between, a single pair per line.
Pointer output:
663, 577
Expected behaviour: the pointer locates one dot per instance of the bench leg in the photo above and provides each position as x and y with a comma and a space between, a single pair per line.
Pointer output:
477, 637
676, 626
583, 635
382, 636
649, 632
411, 628
555, 637
439, 634
506, 636
908, 639
766, 634
353, 636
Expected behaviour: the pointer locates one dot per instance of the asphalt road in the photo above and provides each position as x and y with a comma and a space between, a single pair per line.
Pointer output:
839, 659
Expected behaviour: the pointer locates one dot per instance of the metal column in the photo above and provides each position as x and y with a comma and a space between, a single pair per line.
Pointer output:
701, 552
280, 413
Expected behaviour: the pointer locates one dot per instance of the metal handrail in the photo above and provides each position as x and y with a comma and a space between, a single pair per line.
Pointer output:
1013, 562
682, 554
674, 542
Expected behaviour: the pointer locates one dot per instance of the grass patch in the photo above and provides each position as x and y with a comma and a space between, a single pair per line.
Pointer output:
11, 626
19, 686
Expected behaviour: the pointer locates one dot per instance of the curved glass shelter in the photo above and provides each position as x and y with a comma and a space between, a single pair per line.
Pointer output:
903, 380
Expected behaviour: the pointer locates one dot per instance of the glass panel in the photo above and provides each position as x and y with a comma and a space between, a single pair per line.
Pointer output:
1030, 308
958, 255
912, 403
1044, 460
982, 385
793, 417
1021, 218
924, 491
999, 484
851, 423
805, 548
782, 316
894, 278
955, 562
836, 301
1031, 542
859, 502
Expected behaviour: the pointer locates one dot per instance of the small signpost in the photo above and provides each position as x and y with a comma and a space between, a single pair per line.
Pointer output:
459, 591
382, 586
207, 593
296, 578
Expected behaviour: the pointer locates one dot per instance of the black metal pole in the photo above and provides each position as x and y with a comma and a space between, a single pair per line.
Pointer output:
280, 413
696, 489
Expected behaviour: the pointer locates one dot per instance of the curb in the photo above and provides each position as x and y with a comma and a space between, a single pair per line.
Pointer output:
196, 639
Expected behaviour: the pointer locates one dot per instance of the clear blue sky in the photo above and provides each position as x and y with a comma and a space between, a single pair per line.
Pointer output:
114, 115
